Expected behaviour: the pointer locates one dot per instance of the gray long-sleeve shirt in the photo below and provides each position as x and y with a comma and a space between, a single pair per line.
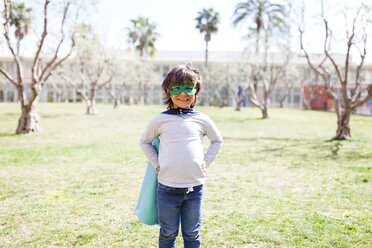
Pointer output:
181, 147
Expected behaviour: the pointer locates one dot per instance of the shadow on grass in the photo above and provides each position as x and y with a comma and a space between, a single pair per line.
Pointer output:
8, 134
237, 120
335, 146
266, 138
12, 114
360, 169
314, 148
51, 116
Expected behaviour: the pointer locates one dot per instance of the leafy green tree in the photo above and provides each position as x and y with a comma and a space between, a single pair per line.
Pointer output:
207, 21
143, 36
21, 18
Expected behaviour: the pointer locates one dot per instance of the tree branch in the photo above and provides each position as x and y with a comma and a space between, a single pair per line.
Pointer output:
103, 84
9, 77
7, 16
357, 89
67, 79
327, 53
50, 63
52, 68
41, 43
364, 100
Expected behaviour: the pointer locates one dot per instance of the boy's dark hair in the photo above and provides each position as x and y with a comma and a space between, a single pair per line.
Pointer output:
180, 74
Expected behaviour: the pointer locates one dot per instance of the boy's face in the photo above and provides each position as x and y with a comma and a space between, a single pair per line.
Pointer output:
182, 100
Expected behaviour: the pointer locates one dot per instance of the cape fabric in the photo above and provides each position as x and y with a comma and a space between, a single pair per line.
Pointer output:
147, 209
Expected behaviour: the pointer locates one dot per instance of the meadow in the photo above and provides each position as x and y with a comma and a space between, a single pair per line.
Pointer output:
278, 182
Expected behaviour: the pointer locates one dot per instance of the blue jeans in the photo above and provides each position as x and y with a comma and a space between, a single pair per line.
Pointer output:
175, 204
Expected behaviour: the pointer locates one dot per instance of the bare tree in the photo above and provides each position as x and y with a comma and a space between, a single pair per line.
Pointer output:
92, 79
352, 94
114, 92
41, 68
269, 77
89, 67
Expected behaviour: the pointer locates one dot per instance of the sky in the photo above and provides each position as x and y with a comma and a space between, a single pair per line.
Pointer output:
175, 20
176, 23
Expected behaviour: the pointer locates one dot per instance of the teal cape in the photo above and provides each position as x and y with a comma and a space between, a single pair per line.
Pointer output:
147, 209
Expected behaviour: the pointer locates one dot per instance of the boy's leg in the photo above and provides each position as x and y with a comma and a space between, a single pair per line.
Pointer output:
169, 205
191, 213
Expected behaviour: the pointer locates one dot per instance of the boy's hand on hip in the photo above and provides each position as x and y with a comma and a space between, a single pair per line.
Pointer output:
204, 168
158, 169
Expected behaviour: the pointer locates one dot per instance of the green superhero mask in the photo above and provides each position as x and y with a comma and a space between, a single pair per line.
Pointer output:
187, 88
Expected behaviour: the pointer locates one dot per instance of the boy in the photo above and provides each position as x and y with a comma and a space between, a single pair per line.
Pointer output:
181, 163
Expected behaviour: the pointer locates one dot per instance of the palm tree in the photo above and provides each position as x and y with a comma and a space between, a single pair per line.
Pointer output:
207, 21
266, 17
21, 19
143, 36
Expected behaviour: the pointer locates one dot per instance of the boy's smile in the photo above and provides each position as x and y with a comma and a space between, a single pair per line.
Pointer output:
182, 100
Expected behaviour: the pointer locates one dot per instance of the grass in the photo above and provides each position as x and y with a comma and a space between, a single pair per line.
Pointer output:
277, 183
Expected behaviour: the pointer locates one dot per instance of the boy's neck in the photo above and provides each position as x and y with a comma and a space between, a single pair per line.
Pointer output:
180, 108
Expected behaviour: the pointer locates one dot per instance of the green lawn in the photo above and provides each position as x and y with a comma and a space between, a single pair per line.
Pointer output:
277, 182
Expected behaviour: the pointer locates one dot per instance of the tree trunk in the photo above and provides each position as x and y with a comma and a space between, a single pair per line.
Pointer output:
211, 101
238, 105
28, 122
265, 114
131, 99
239, 102
141, 99
206, 54
91, 103
91, 108
343, 125
117, 103
223, 101
265, 105
29, 119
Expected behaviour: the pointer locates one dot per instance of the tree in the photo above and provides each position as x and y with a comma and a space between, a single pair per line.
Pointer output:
143, 36
41, 68
116, 68
264, 15
352, 94
268, 20
89, 67
269, 79
207, 21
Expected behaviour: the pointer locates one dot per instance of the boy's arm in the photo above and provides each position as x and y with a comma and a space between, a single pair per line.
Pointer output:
148, 135
216, 140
